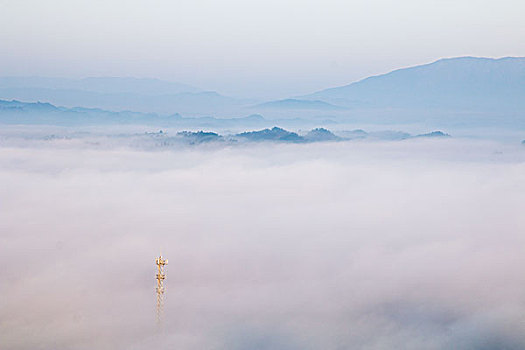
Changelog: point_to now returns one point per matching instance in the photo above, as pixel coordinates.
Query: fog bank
(414, 245)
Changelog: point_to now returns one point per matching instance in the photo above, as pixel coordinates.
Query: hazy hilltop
(464, 83)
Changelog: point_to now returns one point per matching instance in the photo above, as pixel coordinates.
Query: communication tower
(160, 277)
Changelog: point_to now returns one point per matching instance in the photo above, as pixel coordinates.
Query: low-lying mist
(416, 244)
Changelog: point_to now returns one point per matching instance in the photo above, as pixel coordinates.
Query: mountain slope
(464, 83)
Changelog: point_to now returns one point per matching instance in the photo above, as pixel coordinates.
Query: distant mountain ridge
(452, 92)
(43, 113)
(17, 112)
(121, 94)
(464, 83)
(292, 103)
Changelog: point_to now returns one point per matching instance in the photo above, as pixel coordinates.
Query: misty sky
(266, 48)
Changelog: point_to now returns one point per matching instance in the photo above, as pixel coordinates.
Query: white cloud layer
(353, 245)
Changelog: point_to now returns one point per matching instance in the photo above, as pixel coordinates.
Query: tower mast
(160, 277)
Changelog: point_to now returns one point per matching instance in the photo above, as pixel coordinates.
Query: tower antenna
(160, 277)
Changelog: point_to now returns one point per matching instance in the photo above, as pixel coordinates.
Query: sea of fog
(413, 244)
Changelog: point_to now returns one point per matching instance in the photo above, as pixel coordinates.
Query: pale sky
(267, 48)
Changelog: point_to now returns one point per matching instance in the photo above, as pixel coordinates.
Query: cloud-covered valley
(348, 245)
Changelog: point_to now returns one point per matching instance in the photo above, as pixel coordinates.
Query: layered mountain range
(465, 91)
